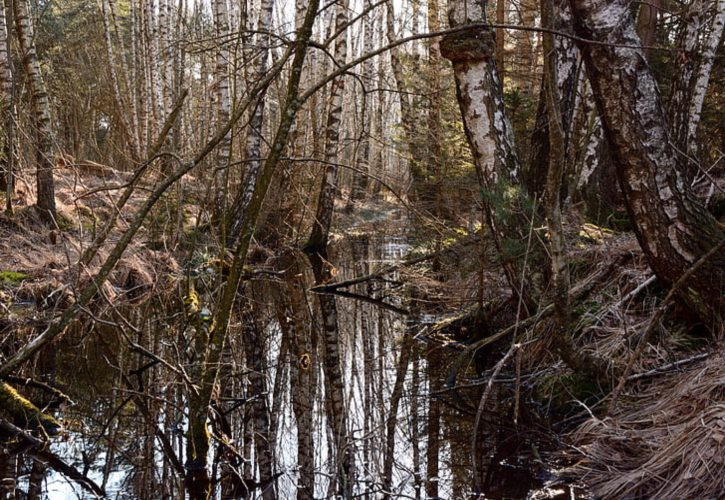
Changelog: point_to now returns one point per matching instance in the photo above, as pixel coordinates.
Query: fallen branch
(661, 370)
(331, 287)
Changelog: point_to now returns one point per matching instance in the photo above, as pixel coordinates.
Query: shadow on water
(125, 435)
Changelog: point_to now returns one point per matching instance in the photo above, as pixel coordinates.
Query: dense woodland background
(364, 248)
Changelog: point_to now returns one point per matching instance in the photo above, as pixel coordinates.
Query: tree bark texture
(253, 145)
(41, 110)
(700, 39)
(490, 136)
(7, 154)
(673, 229)
(296, 328)
(328, 189)
(566, 59)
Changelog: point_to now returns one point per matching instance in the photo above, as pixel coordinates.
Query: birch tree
(44, 159)
(253, 145)
(317, 252)
(701, 37)
(489, 134)
(7, 154)
(673, 229)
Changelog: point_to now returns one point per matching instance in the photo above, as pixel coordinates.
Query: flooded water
(410, 435)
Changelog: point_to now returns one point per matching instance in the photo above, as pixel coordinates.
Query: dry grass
(667, 442)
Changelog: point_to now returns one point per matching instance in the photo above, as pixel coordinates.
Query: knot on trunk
(471, 44)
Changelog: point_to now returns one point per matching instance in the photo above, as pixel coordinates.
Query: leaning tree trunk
(673, 229)
(490, 136)
(41, 110)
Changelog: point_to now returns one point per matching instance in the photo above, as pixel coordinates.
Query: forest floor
(663, 437)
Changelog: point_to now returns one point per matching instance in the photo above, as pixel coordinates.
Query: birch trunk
(41, 111)
(7, 153)
(224, 104)
(253, 146)
(360, 180)
(408, 118)
(702, 34)
(328, 189)
(490, 137)
(317, 251)
(673, 229)
(294, 322)
(120, 101)
(198, 442)
(392, 419)
(254, 347)
(566, 60)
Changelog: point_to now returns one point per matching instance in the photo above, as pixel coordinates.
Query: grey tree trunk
(392, 414)
(566, 59)
(329, 188)
(490, 136)
(295, 325)
(254, 347)
(672, 227)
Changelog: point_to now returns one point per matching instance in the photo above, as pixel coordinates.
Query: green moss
(24, 413)
(12, 277)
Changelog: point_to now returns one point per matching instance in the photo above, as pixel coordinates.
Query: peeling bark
(672, 227)
(490, 136)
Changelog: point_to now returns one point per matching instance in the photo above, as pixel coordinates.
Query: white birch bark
(701, 37)
(673, 229)
(41, 110)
